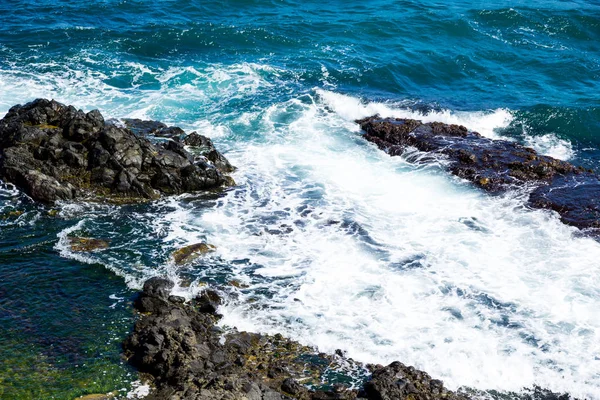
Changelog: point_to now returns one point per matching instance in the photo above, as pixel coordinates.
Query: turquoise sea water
(340, 245)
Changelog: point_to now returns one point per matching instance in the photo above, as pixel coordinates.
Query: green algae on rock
(86, 244)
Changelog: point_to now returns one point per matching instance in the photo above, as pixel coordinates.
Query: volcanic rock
(496, 166)
(188, 357)
(397, 381)
(85, 244)
(55, 152)
(201, 145)
(189, 253)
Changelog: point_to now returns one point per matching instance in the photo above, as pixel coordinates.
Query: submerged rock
(496, 165)
(98, 396)
(190, 253)
(55, 152)
(188, 357)
(85, 244)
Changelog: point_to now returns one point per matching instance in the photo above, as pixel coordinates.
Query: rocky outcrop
(188, 357)
(55, 152)
(496, 166)
(398, 381)
(200, 144)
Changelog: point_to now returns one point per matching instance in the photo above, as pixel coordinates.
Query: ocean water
(337, 245)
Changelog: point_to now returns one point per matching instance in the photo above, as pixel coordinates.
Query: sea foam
(342, 246)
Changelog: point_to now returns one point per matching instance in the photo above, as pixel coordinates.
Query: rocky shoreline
(187, 356)
(183, 354)
(496, 166)
(55, 152)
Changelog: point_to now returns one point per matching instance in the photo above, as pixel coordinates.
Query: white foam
(133, 280)
(352, 108)
(479, 264)
(139, 390)
(181, 88)
(551, 145)
(486, 123)
(345, 247)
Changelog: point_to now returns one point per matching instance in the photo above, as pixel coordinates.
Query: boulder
(85, 244)
(55, 152)
(205, 147)
(201, 145)
(398, 381)
(208, 301)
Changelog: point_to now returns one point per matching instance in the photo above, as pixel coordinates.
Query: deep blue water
(537, 57)
(263, 76)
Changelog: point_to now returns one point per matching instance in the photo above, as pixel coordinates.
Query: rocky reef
(55, 152)
(187, 356)
(496, 166)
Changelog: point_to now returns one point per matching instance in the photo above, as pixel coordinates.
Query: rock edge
(496, 166)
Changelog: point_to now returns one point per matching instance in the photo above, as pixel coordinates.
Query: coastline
(188, 357)
(161, 311)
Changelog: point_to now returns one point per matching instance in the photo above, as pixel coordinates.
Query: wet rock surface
(85, 244)
(190, 253)
(496, 166)
(188, 357)
(201, 145)
(55, 152)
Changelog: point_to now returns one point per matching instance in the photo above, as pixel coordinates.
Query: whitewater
(324, 238)
(340, 246)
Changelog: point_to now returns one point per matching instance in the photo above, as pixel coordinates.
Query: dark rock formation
(52, 152)
(188, 357)
(397, 381)
(496, 165)
(201, 144)
(85, 244)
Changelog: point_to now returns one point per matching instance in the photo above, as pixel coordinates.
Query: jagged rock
(398, 382)
(190, 358)
(496, 166)
(157, 287)
(205, 146)
(291, 386)
(202, 145)
(145, 127)
(55, 152)
(208, 301)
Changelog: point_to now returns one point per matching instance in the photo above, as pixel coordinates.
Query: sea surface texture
(335, 243)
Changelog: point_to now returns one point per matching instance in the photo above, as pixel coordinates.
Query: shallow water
(340, 245)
